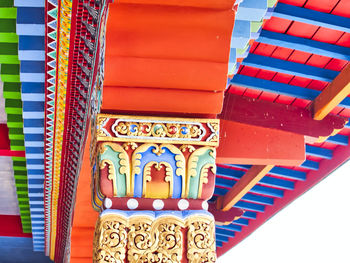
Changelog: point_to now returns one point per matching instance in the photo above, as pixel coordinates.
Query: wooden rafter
(250, 178)
(332, 95)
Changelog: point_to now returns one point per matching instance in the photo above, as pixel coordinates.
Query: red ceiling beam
(279, 116)
(248, 144)
(11, 226)
(5, 148)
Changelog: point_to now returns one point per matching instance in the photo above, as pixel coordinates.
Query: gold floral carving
(201, 240)
(158, 241)
(143, 239)
(110, 240)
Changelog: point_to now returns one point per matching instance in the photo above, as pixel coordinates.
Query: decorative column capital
(154, 158)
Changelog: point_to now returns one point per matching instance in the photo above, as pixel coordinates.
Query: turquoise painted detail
(198, 163)
(116, 159)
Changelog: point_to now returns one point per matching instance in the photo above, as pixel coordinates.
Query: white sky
(315, 228)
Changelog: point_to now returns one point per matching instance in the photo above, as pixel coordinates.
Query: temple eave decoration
(166, 131)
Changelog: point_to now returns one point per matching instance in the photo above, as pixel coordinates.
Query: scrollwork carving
(201, 240)
(110, 240)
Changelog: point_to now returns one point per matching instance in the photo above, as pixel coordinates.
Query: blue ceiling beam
(241, 222)
(224, 232)
(230, 227)
(249, 215)
(221, 238)
(258, 199)
(280, 88)
(309, 16)
(304, 44)
(250, 206)
(218, 243)
(312, 165)
(339, 139)
(257, 189)
(266, 180)
(318, 152)
(279, 171)
(288, 67)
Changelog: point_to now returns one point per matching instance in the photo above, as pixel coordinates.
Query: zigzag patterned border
(51, 52)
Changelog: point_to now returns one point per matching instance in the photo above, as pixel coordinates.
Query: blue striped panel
(31, 52)
(249, 215)
(318, 152)
(303, 44)
(251, 10)
(221, 238)
(218, 243)
(30, 3)
(257, 189)
(224, 232)
(312, 165)
(309, 16)
(19, 250)
(266, 180)
(241, 222)
(279, 171)
(339, 139)
(250, 206)
(230, 227)
(280, 88)
(258, 199)
(288, 67)
(30, 15)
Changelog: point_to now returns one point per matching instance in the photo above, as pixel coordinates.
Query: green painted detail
(255, 26)
(8, 12)
(53, 12)
(10, 78)
(241, 51)
(113, 156)
(16, 137)
(9, 49)
(13, 110)
(7, 25)
(19, 159)
(11, 59)
(271, 3)
(17, 148)
(52, 54)
(198, 163)
(19, 163)
(8, 37)
(22, 192)
(14, 124)
(20, 172)
(16, 131)
(6, 3)
(52, 72)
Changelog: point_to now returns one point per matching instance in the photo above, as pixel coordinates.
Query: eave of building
(283, 67)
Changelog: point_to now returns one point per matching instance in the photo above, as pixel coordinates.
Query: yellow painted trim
(63, 57)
